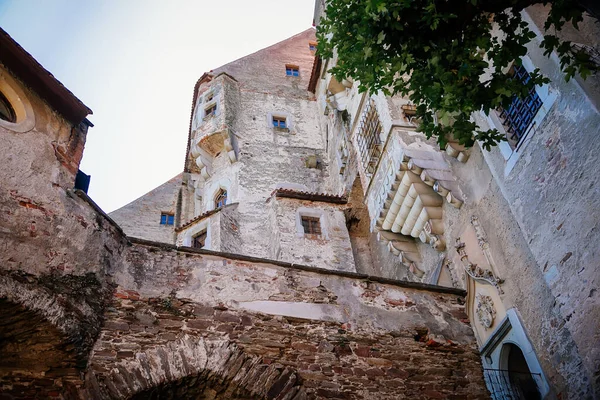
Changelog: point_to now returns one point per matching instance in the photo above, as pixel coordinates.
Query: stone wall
(331, 249)
(247, 328)
(141, 217)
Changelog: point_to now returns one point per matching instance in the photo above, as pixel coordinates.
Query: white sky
(135, 63)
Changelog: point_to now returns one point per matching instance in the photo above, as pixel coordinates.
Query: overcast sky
(135, 63)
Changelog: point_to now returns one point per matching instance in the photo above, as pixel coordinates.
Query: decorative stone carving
(480, 233)
(476, 272)
(485, 310)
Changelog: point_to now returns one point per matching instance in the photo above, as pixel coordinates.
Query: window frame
(12, 115)
(292, 70)
(221, 192)
(203, 233)
(210, 110)
(313, 225)
(368, 139)
(548, 96)
(314, 213)
(278, 121)
(167, 219)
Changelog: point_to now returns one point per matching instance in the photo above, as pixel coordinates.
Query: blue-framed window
(167, 219)
(221, 198)
(279, 122)
(292, 70)
(312, 46)
(518, 117)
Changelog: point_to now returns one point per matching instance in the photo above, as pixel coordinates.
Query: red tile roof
(42, 82)
(311, 196)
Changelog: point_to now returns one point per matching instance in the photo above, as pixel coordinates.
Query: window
(167, 219)
(279, 122)
(221, 198)
(369, 139)
(6, 111)
(312, 46)
(292, 70)
(199, 241)
(210, 110)
(517, 118)
(311, 225)
(208, 97)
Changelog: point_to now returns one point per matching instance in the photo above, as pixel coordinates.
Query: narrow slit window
(221, 198)
(311, 225)
(167, 219)
(208, 97)
(292, 70)
(199, 241)
(279, 122)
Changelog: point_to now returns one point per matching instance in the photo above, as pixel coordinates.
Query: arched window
(6, 111)
(221, 198)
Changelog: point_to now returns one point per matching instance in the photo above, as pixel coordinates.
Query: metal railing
(510, 385)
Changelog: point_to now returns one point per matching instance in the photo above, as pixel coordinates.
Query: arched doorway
(520, 377)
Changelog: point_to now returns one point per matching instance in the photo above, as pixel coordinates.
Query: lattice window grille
(369, 139)
(517, 118)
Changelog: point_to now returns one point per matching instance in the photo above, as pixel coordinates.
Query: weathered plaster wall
(552, 193)
(141, 217)
(56, 253)
(330, 250)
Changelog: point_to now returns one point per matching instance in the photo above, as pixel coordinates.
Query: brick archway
(45, 337)
(191, 367)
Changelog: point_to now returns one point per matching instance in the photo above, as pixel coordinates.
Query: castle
(314, 246)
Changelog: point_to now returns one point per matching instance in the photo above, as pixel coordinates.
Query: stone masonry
(90, 312)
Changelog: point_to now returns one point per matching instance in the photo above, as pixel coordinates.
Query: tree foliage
(450, 57)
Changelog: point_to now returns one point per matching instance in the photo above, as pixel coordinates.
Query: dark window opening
(517, 118)
(221, 198)
(311, 225)
(7, 113)
(279, 122)
(208, 97)
(292, 70)
(209, 111)
(199, 241)
(167, 219)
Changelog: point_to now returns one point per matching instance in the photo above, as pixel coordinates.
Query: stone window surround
(511, 330)
(222, 184)
(289, 122)
(25, 120)
(196, 230)
(311, 212)
(548, 97)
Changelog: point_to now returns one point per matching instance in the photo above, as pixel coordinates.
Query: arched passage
(191, 368)
(519, 374)
(47, 326)
(34, 353)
